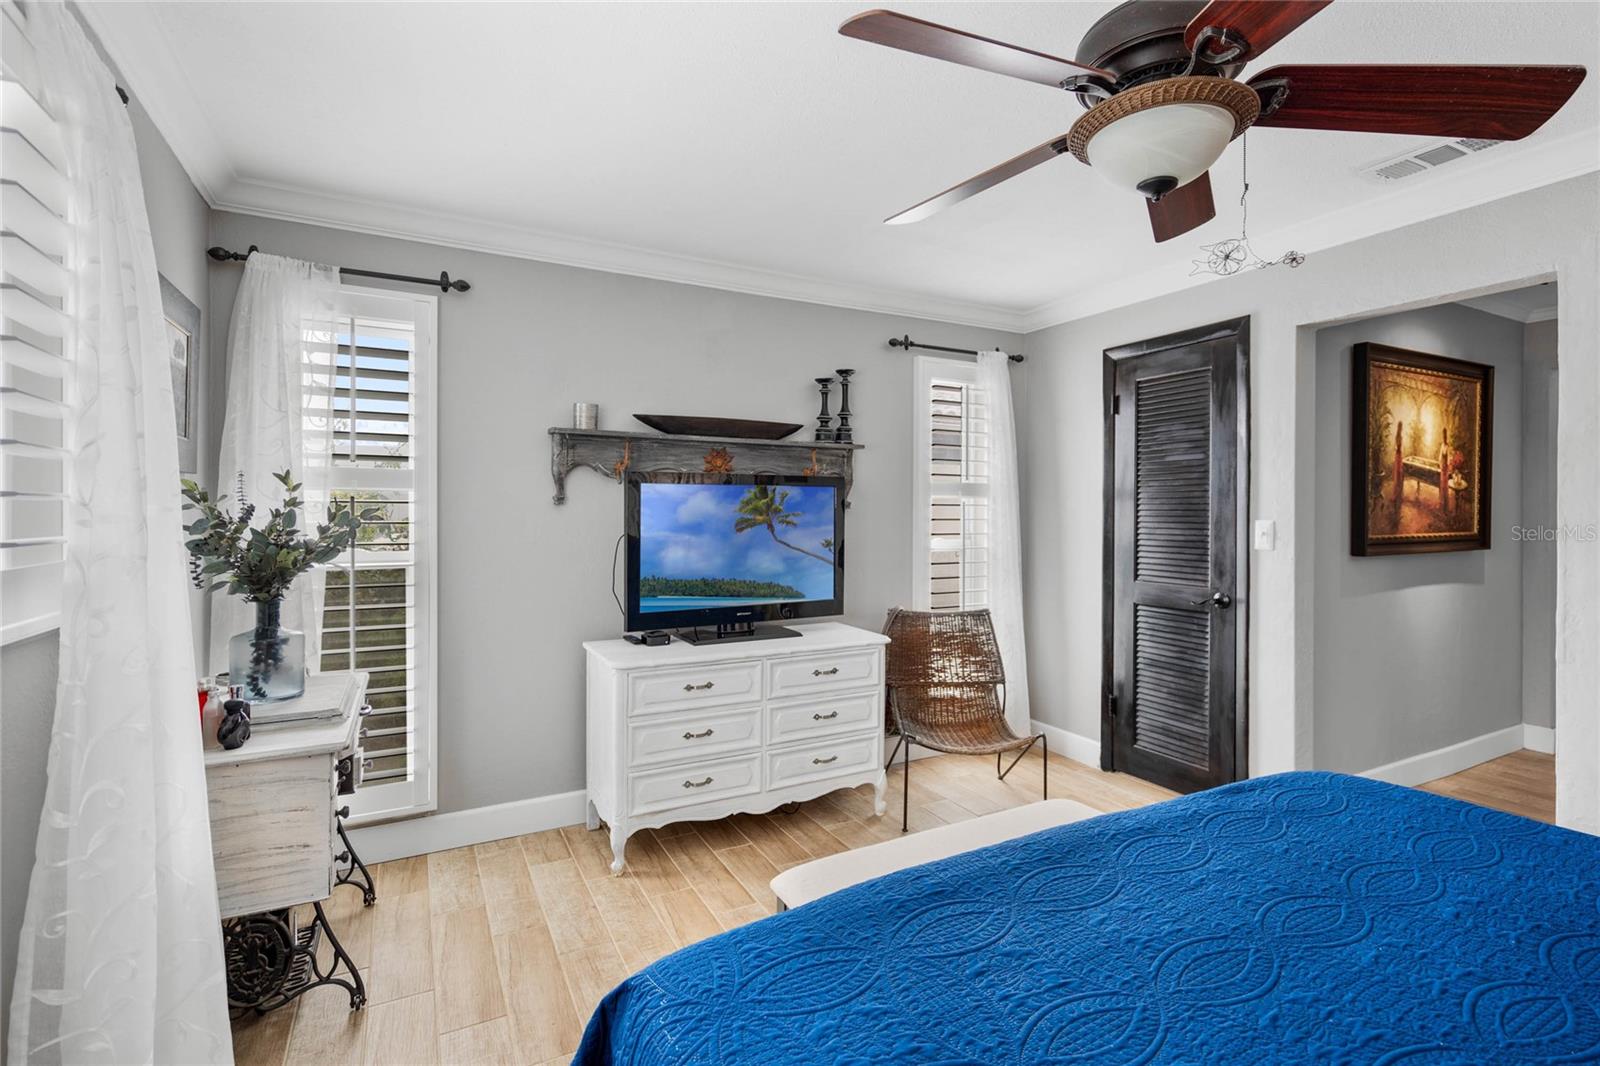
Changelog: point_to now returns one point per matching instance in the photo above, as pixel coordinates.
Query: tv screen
(754, 549)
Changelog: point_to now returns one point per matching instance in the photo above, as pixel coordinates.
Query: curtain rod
(907, 343)
(222, 255)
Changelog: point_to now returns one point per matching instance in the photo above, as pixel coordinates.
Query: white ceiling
(1536, 303)
(749, 146)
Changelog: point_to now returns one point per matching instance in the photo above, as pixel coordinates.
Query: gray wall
(523, 582)
(1416, 652)
(1523, 238)
(1539, 380)
(179, 220)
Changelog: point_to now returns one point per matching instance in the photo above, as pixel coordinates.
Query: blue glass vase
(268, 662)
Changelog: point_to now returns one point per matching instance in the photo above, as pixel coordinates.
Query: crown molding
(1445, 191)
(292, 204)
(137, 44)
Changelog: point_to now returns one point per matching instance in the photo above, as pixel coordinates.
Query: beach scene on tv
(703, 546)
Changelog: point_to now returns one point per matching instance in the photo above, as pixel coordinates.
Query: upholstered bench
(815, 879)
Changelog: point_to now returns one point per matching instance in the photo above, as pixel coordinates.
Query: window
(951, 426)
(371, 444)
(35, 431)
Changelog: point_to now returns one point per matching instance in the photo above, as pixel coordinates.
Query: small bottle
(210, 720)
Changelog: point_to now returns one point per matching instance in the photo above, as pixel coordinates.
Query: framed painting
(184, 347)
(1421, 438)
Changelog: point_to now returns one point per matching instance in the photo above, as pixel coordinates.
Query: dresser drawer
(690, 687)
(823, 758)
(823, 716)
(699, 736)
(696, 782)
(807, 674)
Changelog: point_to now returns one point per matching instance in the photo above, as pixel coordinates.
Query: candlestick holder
(843, 434)
(824, 419)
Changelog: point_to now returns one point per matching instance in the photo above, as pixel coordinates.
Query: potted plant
(260, 564)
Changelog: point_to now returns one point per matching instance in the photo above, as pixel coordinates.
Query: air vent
(1442, 154)
(1423, 158)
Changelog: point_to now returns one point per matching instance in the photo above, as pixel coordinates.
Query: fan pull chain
(1244, 191)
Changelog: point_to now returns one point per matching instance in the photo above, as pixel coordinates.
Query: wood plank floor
(498, 953)
(1523, 782)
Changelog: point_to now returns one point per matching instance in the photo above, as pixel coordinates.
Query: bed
(1299, 918)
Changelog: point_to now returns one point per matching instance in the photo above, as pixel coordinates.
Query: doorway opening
(1434, 656)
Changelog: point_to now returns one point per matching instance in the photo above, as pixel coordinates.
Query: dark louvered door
(1176, 589)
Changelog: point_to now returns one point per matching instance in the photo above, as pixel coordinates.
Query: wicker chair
(947, 691)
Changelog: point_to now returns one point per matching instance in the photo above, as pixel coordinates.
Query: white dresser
(688, 732)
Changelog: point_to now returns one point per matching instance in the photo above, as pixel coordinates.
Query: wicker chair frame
(947, 685)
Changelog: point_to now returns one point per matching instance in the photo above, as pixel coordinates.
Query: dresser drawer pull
(343, 812)
(366, 709)
(362, 733)
(829, 672)
(824, 717)
(698, 736)
(825, 762)
(366, 764)
(699, 688)
(697, 784)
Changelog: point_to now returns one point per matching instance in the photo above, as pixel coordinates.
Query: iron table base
(356, 873)
(270, 963)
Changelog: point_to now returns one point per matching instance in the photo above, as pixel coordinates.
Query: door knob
(1220, 600)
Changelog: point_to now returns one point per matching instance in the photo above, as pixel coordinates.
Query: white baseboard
(1074, 746)
(1452, 760)
(1540, 738)
(457, 829)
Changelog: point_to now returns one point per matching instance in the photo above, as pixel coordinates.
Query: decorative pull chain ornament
(1226, 258)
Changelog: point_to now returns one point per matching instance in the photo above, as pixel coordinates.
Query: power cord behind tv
(614, 550)
(650, 638)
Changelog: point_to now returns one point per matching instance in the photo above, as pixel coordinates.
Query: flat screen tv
(733, 551)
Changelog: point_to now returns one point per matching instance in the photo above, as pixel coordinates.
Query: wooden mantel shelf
(615, 452)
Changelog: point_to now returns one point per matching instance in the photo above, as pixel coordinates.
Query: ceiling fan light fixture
(1157, 137)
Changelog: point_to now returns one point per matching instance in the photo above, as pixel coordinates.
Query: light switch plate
(1266, 534)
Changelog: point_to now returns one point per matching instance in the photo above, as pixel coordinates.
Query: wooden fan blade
(1494, 103)
(1261, 23)
(1182, 209)
(988, 179)
(957, 46)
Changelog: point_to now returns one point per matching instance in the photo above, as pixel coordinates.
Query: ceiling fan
(1158, 80)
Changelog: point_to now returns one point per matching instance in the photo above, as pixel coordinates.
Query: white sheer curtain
(280, 366)
(120, 957)
(1005, 536)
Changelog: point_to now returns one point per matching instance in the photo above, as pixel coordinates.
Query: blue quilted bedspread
(1302, 918)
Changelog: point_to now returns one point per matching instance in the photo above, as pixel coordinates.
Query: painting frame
(184, 336)
(1370, 363)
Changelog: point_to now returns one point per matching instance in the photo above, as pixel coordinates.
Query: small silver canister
(585, 416)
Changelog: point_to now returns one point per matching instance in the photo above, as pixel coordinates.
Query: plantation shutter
(953, 506)
(35, 321)
(369, 421)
